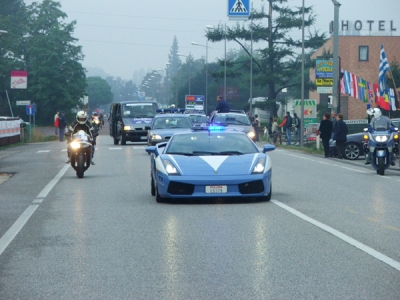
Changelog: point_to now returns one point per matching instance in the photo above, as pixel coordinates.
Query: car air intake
(251, 187)
(179, 188)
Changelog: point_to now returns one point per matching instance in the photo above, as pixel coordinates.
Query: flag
(362, 93)
(370, 92)
(392, 98)
(354, 86)
(383, 68)
(379, 100)
(342, 87)
(347, 82)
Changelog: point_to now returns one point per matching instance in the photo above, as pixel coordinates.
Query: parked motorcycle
(383, 147)
(80, 152)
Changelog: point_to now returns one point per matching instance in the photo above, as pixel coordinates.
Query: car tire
(352, 151)
(153, 189)
(268, 197)
(159, 199)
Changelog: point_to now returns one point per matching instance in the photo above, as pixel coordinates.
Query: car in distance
(235, 120)
(212, 163)
(130, 120)
(164, 125)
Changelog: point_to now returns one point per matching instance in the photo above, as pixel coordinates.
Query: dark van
(130, 120)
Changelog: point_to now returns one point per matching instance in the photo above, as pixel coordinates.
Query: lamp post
(335, 94)
(187, 59)
(302, 80)
(206, 46)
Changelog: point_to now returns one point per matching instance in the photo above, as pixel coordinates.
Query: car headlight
(170, 168)
(75, 145)
(381, 138)
(156, 137)
(259, 166)
(127, 127)
(251, 134)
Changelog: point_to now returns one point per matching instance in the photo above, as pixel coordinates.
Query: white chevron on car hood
(214, 161)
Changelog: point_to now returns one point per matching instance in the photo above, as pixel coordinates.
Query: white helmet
(376, 112)
(81, 117)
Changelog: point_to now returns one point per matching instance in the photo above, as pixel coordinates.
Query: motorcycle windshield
(81, 135)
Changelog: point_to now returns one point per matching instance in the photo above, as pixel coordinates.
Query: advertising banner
(19, 79)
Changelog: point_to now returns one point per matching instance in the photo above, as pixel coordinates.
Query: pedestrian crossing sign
(239, 9)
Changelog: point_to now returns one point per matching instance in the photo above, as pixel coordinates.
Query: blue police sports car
(210, 163)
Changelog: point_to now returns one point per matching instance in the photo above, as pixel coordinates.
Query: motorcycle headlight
(381, 138)
(75, 145)
(251, 134)
(259, 167)
(156, 137)
(170, 168)
(97, 121)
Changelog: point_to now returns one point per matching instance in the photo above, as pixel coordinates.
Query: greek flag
(383, 68)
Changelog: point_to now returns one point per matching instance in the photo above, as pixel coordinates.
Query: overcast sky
(122, 36)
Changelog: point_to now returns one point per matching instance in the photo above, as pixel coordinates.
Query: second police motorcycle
(381, 142)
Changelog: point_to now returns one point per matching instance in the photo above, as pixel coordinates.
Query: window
(363, 52)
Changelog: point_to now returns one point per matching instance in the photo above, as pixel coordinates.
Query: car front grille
(251, 187)
(179, 188)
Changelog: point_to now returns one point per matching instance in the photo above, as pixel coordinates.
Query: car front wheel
(352, 151)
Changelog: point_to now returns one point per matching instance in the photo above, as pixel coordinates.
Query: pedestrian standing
(56, 123)
(297, 124)
(61, 126)
(256, 126)
(340, 135)
(325, 131)
(288, 128)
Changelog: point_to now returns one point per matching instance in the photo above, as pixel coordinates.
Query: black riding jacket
(87, 127)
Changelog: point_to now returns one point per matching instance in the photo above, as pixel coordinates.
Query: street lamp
(187, 59)
(335, 94)
(206, 46)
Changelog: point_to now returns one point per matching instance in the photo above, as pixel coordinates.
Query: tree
(274, 69)
(99, 92)
(12, 20)
(173, 66)
(57, 80)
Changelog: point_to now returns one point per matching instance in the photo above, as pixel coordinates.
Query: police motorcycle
(96, 123)
(381, 144)
(80, 152)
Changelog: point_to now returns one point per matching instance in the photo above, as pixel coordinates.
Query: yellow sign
(324, 81)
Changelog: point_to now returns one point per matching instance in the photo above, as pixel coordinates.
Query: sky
(122, 36)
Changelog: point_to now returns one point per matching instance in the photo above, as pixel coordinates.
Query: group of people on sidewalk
(335, 130)
(60, 124)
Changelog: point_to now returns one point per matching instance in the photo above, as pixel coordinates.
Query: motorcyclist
(82, 123)
(95, 117)
(378, 121)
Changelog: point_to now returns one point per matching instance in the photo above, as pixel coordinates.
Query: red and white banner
(19, 79)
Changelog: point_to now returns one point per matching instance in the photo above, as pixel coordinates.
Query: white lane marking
(350, 169)
(37, 201)
(137, 147)
(64, 150)
(118, 148)
(52, 183)
(42, 151)
(11, 233)
(380, 256)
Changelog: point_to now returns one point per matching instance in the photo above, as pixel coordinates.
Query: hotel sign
(369, 25)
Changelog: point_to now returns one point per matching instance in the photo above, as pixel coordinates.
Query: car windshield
(171, 122)
(235, 119)
(139, 110)
(198, 119)
(211, 144)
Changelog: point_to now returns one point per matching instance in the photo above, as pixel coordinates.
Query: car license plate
(143, 137)
(216, 189)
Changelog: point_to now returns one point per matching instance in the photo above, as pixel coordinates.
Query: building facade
(359, 55)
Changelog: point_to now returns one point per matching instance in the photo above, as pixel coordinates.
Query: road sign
(30, 110)
(23, 102)
(239, 9)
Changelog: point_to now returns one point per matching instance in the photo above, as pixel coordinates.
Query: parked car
(209, 163)
(235, 120)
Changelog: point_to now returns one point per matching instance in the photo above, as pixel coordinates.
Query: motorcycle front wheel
(80, 168)
(381, 165)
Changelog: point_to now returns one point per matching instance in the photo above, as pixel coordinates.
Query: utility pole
(335, 90)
